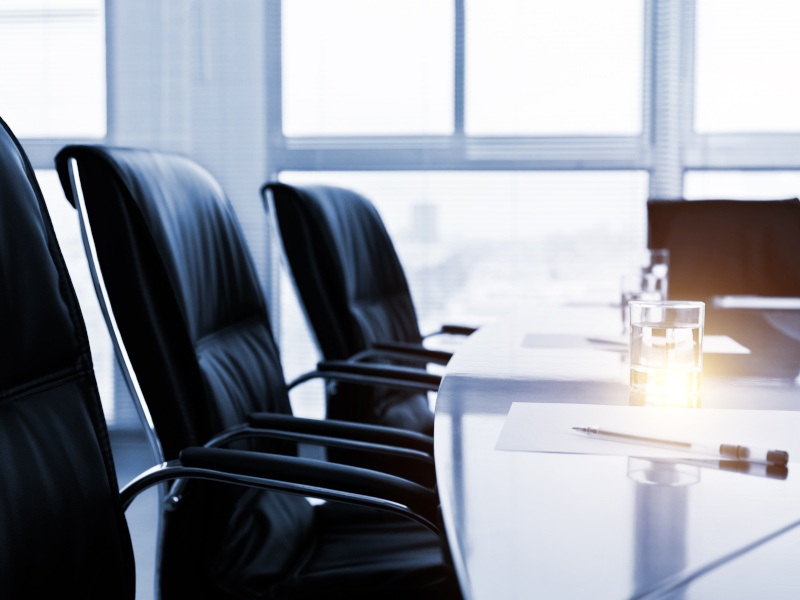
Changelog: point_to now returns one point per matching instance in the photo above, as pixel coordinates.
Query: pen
(732, 451)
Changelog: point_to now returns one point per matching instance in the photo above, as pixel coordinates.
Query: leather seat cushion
(380, 406)
(386, 557)
(406, 411)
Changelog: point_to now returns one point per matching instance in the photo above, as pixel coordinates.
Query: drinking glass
(657, 271)
(666, 351)
(634, 286)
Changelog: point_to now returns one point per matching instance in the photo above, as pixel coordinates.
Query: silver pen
(730, 451)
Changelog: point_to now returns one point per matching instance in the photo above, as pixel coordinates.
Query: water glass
(656, 271)
(634, 286)
(666, 351)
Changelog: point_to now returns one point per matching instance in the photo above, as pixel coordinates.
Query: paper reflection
(661, 507)
(670, 401)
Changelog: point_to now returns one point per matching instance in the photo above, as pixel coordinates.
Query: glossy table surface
(544, 525)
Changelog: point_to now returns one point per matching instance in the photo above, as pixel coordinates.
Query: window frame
(42, 150)
(456, 151)
(667, 146)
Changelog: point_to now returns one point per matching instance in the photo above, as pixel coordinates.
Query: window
(53, 68)
(475, 243)
(52, 64)
(387, 72)
(572, 67)
(566, 116)
(742, 185)
(747, 54)
(478, 244)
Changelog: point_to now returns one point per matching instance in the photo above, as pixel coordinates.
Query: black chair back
(353, 289)
(194, 322)
(342, 257)
(191, 295)
(728, 247)
(62, 528)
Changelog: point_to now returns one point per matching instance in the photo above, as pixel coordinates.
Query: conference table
(526, 522)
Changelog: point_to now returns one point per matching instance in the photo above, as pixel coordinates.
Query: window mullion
(460, 69)
(672, 60)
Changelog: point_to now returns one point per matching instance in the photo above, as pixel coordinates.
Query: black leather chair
(355, 295)
(735, 248)
(62, 528)
(728, 247)
(194, 323)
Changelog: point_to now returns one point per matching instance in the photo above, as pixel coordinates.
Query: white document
(712, 344)
(722, 344)
(547, 427)
(757, 302)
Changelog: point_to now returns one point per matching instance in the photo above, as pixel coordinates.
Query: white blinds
(52, 65)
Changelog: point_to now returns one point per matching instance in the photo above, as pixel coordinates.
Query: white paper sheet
(757, 302)
(712, 344)
(547, 427)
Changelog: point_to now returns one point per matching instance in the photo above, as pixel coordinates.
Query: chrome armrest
(405, 351)
(397, 377)
(293, 475)
(451, 329)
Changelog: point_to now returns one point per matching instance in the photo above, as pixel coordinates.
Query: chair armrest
(451, 329)
(410, 351)
(397, 377)
(345, 430)
(329, 481)
(338, 369)
(293, 475)
(386, 449)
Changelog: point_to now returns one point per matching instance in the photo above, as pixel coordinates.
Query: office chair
(728, 247)
(180, 285)
(355, 296)
(722, 248)
(62, 525)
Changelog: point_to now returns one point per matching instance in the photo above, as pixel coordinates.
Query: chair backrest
(353, 290)
(62, 528)
(183, 290)
(193, 319)
(345, 268)
(728, 247)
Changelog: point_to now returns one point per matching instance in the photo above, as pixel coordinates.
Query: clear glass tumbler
(666, 351)
(656, 272)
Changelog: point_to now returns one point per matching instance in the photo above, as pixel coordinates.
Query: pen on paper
(731, 451)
